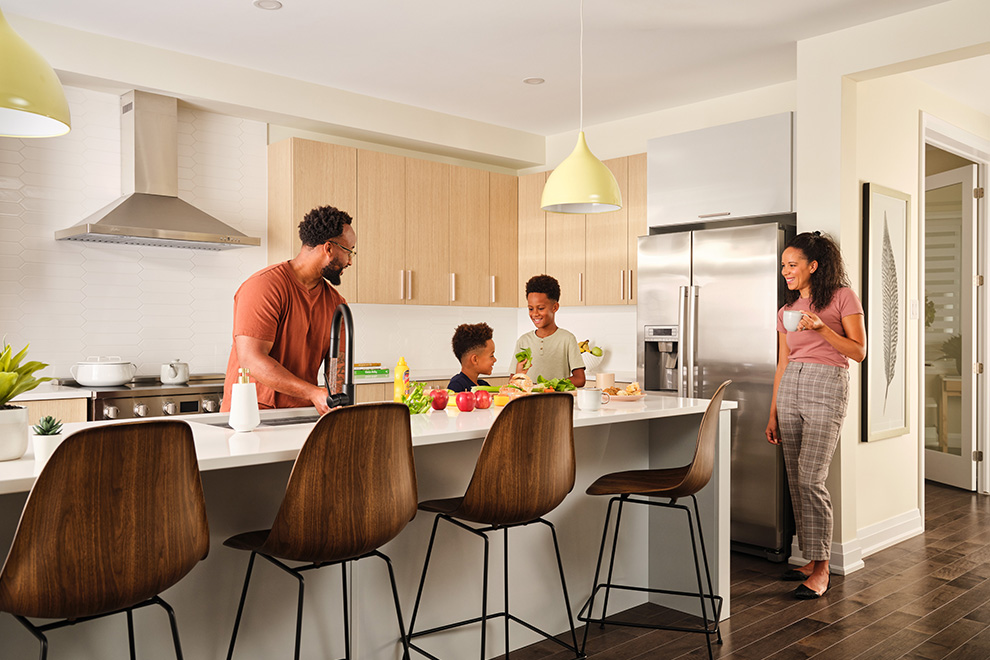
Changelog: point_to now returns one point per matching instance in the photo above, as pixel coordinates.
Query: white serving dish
(103, 371)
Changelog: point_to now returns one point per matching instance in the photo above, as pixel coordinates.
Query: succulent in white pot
(47, 436)
(15, 379)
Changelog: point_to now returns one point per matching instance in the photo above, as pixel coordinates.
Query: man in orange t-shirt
(282, 316)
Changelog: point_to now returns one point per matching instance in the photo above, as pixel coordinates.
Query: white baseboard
(848, 557)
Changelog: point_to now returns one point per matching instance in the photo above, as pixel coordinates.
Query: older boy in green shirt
(554, 350)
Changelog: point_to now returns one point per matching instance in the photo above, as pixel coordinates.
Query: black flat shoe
(804, 593)
(794, 575)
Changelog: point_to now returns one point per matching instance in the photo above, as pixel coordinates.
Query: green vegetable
(416, 398)
(526, 357)
(487, 388)
(556, 384)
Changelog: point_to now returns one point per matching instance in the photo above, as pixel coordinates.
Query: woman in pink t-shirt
(811, 390)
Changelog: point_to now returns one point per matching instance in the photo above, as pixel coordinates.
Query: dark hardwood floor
(925, 598)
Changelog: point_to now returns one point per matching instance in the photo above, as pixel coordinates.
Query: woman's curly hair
(544, 284)
(469, 337)
(322, 224)
(829, 277)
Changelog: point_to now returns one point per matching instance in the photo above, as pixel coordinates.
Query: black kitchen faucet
(346, 397)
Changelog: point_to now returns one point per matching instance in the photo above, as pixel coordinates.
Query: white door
(950, 327)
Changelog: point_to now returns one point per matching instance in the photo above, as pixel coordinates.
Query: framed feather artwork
(886, 214)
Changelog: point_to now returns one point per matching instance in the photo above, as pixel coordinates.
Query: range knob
(140, 410)
(110, 412)
(169, 408)
(210, 405)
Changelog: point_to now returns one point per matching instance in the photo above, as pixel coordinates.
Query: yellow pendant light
(582, 183)
(32, 103)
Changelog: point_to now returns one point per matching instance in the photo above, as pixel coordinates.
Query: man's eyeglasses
(349, 251)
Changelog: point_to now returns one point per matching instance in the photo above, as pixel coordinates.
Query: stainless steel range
(146, 396)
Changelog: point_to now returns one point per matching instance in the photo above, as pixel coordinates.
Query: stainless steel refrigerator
(708, 299)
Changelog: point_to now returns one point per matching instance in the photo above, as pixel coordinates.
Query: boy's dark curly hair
(469, 337)
(829, 277)
(322, 224)
(544, 284)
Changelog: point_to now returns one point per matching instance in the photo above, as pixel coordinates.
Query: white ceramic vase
(44, 446)
(13, 433)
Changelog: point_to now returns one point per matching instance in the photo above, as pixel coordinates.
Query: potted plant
(47, 436)
(952, 350)
(15, 379)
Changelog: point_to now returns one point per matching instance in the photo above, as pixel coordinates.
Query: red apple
(439, 399)
(465, 401)
(482, 399)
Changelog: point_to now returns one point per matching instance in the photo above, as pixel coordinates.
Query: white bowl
(591, 362)
(103, 372)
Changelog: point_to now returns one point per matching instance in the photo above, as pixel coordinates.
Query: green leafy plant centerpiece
(17, 378)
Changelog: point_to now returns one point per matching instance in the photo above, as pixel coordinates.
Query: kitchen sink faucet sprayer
(346, 397)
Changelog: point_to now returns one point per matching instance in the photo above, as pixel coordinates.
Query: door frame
(945, 136)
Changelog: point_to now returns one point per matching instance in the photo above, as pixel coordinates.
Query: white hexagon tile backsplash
(149, 305)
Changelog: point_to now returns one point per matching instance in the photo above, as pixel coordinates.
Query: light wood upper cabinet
(427, 249)
(532, 231)
(607, 246)
(566, 247)
(503, 243)
(302, 175)
(381, 235)
(469, 237)
(636, 206)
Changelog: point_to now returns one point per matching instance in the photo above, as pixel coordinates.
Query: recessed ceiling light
(534, 81)
(268, 4)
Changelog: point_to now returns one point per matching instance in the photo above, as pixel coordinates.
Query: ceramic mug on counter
(591, 398)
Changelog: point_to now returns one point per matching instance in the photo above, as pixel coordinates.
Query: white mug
(604, 380)
(591, 398)
(791, 319)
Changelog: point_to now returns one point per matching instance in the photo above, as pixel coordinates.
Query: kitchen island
(244, 475)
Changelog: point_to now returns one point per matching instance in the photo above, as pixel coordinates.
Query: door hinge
(977, 367)
(978, 193)
(977, 456)
(977, 280)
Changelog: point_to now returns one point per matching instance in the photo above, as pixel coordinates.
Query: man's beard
(331, 273)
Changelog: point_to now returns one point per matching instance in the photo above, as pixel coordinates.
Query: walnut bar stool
(525, 469)
(638, 487)
(116, 517)
(352, 490)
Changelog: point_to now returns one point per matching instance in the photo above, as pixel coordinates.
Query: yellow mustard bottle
(401, 380)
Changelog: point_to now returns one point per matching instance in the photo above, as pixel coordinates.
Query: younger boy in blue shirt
(474, 348)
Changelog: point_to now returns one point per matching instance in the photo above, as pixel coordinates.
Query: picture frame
(886, 218)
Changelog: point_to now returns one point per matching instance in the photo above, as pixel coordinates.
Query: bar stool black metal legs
(485, 615)
(710, 604)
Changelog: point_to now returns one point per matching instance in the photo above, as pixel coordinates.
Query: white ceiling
(468, 58)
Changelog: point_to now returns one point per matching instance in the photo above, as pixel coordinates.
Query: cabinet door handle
(622, 284)
(402, 285)
(630, 285)
(408, 285)
(581, 287)
(715, 215)
(493, 289)
(453, 287)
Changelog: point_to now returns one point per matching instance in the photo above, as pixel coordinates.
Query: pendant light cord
(581, 71)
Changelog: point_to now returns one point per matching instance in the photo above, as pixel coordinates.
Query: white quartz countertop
(49, 391)
(219, 447)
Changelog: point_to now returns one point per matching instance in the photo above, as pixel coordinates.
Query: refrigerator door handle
(691, 337)
(682, 348)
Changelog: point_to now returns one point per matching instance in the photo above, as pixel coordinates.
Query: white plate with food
(626, 397)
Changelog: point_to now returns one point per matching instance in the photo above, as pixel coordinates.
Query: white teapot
(175, 372)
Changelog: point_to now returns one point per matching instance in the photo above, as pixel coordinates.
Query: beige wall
(843, 140)
(888, 148)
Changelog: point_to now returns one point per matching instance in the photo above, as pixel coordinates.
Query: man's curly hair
(469, 337)
(544, 284)
(322, 224)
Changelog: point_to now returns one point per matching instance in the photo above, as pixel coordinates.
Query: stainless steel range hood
(150, 211)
